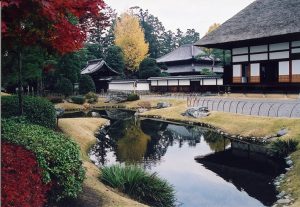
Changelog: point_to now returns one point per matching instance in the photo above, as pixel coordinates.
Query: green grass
(140, 185)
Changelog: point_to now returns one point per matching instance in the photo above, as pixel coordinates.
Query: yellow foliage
(212, 28)
(130, 37)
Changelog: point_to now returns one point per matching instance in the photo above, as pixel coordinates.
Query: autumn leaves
(129, 36)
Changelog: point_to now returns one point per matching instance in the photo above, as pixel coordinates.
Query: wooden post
(20, 83)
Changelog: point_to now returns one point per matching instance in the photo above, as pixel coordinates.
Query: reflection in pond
(219, 178)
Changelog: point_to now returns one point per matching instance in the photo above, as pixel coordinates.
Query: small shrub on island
(55, 99)
(140, 185)
(78, 99)
(91, 97)
(57, 156)
(37, 110)
(133, 97)
(145, 104)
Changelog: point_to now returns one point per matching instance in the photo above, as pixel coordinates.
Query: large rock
(282, 132)
(161, 105)
(196, 112)
(59, 112)
(117, 98)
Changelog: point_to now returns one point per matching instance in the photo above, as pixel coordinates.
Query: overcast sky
(185, 14)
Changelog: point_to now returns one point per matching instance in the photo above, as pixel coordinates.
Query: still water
(219, 179)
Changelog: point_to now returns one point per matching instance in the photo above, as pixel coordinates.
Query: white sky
(185, 14)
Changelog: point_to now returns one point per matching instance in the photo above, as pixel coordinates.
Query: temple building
(187, 60)
(264, 40)
(101, 73)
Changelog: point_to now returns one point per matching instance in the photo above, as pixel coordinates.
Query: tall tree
(130, 37)
(153, 30)
(115, 59)
(149, 68)
(190, 37)
(59, 26)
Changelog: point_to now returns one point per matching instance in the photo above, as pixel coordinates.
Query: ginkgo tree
(130, 37)
(57, 25)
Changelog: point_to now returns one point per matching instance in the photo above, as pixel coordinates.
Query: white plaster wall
(296, 50)
(142, 87)
(255, 69)
(263, 56)
(296, 44)
(279, 46)
(237, 71)
(220, 81)
(209, 82)
(184, 82)
(162, 82)
(173, 82)
(241, 50)
(240, 58)
(120, 86)
(260, 48)
(284, 68)
(296, 67)
(153, 83)
(279, 55)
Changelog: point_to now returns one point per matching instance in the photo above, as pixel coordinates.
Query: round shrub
(140, 185)
(91, 97)
(133, 97)
(21, 178)
(78, 99)
(55, 99)
(86, 84)
(57, 156)
(64, 87)
(37, 110)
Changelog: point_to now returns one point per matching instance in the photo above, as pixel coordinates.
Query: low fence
(270, 108)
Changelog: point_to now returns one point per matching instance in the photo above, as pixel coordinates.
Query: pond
(218, 178)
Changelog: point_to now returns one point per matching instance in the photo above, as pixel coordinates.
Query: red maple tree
(57, 25)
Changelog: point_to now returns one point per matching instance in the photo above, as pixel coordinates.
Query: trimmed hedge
(22, 183)
(37, 110)
(78, 99)
(91, 97)
(57, 155)
(133, 97)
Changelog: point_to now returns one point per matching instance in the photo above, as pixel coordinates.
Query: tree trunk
(20, 91)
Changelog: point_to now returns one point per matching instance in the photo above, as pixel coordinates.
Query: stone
(95, 114)
(282, 132)
(162, 105)
(284, 201)
(196, 112)
(141, 110)
(59, 112)
(289, 162)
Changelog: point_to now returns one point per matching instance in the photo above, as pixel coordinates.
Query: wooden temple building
(264, 40)
(101, 73)
(187, 60)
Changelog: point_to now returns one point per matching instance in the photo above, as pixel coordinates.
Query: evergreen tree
(149, 68)
(115, 59)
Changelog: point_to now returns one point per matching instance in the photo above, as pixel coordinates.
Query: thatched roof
(184, 52)
(260, 20)
(96, 65)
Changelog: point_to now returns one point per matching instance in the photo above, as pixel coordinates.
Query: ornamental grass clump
(140, 185)
(282, 148)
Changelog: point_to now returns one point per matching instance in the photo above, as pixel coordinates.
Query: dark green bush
(36, 109)
(64, 86)
(86, 84)
(57, 155)
(140, 185)
(282, 148)
(55, 99)
(91, 97)
(133, 97)
(78, 99)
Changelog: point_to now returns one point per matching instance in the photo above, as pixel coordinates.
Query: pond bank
(95, 193)
(234, 125)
